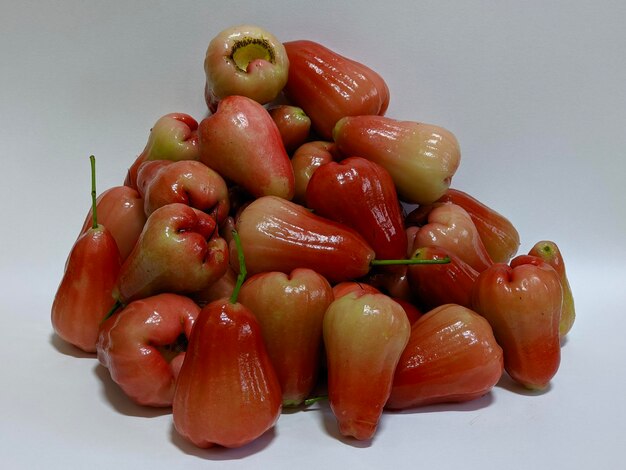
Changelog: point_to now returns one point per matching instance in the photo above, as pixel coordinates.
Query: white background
(534, 92)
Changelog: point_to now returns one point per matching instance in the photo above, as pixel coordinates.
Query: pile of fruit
(298, 245)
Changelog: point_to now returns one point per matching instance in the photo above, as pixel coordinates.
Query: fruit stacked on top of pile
(297, 236)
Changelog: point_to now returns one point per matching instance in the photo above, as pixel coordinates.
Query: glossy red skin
(178, 251)
(421, 158)
(84, 295)
(329, 86)
(549, 252)
(451, 227)
(279, 235)
(221, 288)
(120, 210)
(130, 345)
(451, 356)
(293, 124)
(364, 335)
(439, 284)
(500, 237)
(290, 309)
(522, 302)
(227, 392)
(360, 194)
(242, 143)
(173, 137)
(187, 182)
(305, 160)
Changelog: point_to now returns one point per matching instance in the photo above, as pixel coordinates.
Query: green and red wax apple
(244, 60)
(290, 309)
(173, 137)
(242, 143)
(421, 158)
(364, 334)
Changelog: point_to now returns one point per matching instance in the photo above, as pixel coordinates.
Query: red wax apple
(290, 309)
(364, 335)
(279, 235)
(451, 227)
(421, 158)
(143, 346)
(451, 356)
(242, 143)
(245, 60)
(120, 210)
(329, 86)
(186, 182)
(305, 160)
(178, 251)
(522, 302)
(549, 252)
(84, 295)
(497, 233)
(227, 392)
(450, 283)
(173, 137)
(293, 124)
(369, 203)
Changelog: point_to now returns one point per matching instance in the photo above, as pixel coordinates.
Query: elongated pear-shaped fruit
(364, 335)
(227, 392)
(178, 251)
(290, 309)
(279, 235)
(421, 158)
(242, 143)
(549, 252)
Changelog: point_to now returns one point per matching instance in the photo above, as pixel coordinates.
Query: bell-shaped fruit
(451, 227)
(120, 210)
(371, 203)
(143, 346)
(186, 182)
(290, 309)
(305, 160)
(522, 302)
(549, 252)
(84, 296)
(293, 124)
(178, 251)
(451, 356)
(500, 237)
(245, 60)
(242, 143)
(173, 137)
(329, 86)
(227, 392)
(279, 235)
(364, 335)
(421, 158)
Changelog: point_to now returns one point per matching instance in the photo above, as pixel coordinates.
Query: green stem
(94, 214)
(242, 268)
(118, 304)
(393, 262)
(312, 400)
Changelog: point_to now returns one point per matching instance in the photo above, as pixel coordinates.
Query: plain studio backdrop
(534, 92)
